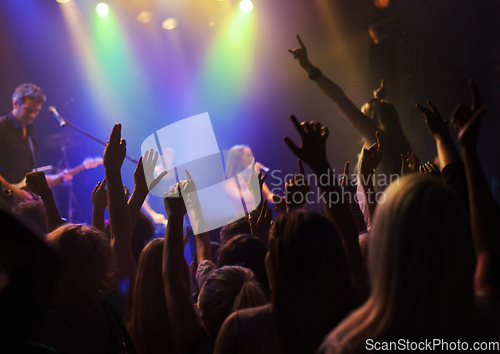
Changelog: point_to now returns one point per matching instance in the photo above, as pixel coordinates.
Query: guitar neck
(76, 170)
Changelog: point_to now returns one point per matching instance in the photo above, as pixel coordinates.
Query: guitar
(57, 179)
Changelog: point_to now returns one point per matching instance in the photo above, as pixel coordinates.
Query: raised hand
(313, 143)
(465, 120)
(100, 195)
(255, 188)
(280, 204)
(37, 183)
(174, 203)
(148, 168)
(300, 53)
(430, 169)
(116, 149)
(296, 189)
(372, 156)
(438, 128)
(409, 163)
(260, 227)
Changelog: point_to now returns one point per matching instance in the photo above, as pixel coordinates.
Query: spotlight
(62, 1)
(381, 4)
(246, 5)
(169, 23)
(102, 9)
(144, 16)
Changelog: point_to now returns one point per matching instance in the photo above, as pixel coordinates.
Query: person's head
(32, 213)
(420, 266)
(87, 264)
(384, 114)
(308, 274)
(235, 228)
(147, 320)
(27, 101)
(239, 158)
(226, 290)
(247, 251)
(420, 251)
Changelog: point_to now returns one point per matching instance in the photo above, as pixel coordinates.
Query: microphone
(54, 113)
(262, 167)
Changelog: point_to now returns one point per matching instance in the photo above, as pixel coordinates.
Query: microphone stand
(92, 137)
(69, 183)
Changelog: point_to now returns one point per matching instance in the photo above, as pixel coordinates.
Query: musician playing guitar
(17, 143)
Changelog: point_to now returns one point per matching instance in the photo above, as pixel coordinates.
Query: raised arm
(36, 183)
(119, 217)
(446, 150)
(483, 209)
(370, 159)
(18, 195)
(145, 166)
(183, 317)
(363, 124)
(350, 189)
(99, 204)
(313, 152)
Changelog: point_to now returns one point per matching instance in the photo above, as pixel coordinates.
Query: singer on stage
(17, 143)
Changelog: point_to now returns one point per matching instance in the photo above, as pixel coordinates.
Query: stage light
(246, 5)
(383, 30)
(211, 23)
(381, 4)
(63, 1)
(102, 9)
(169, 24)
(144, 16)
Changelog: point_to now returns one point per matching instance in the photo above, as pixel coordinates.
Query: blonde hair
(234, 163)
(420, 259)
(386, 118)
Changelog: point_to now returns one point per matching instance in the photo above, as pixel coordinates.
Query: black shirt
(16, 157)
